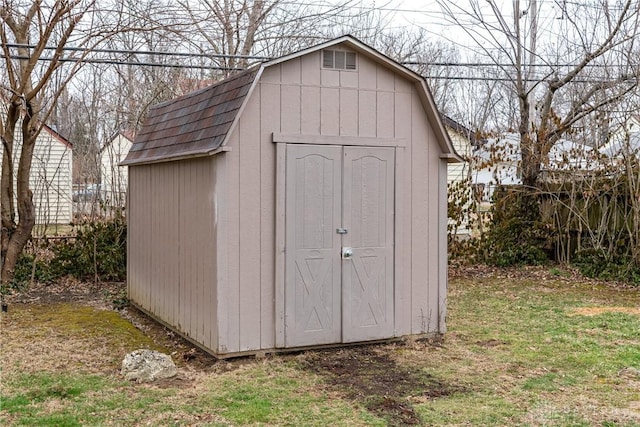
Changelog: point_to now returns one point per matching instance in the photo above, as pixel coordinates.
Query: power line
(254, 57)
(217, 68)
(144, 52)
(145, 64)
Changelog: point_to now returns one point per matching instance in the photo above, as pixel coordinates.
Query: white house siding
(457, 172)
(114, 178)
(460, 174)
(51, 177)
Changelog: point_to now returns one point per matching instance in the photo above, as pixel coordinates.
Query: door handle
(347, 253)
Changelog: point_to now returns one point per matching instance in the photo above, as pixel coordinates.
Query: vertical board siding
(232, 225)
(367, 126)
(330, 111)
(310, 69)
(249, 202)
(367, 72)
(420, 200)
(443, 270)
(172, 261)
(385, 79)
(269, 114)
(384, 115)
(433, 226)
(310, 114)
(290, 105)
(348, 112)
(403, 125)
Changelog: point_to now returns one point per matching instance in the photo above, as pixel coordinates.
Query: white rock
(147, 365)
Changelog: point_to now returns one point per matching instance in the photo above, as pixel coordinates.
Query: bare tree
(562, 70)
(33, 35)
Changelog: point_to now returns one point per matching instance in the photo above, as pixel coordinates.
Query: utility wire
(263, 58)
(145, 64)
(142, 52)
(221, 68)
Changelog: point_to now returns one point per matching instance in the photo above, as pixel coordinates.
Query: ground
(538, 346)
(365, 372)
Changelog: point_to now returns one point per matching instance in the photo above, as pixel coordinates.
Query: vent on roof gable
(338, 60)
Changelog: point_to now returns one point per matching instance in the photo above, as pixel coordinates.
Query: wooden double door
(339, 243)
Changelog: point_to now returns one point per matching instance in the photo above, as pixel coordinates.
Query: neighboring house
(463, 140)
(51, 174)
(459, 174)
(497, 162)
(624, 141)
(113, 177)
(302, 202)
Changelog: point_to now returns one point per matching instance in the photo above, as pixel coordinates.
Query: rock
(147, 365)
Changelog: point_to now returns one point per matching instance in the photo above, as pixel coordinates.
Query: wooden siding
(172, 264)
(50, 178)
(226, 213)
(299, 98)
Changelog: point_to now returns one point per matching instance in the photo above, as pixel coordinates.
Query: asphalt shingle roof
(193, 124)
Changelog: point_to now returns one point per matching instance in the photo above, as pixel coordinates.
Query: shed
(51, 175)
(300, 203)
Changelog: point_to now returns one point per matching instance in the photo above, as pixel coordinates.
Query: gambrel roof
(199, 123)
(192, 125)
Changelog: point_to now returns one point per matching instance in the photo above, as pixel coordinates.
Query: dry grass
(524, 347)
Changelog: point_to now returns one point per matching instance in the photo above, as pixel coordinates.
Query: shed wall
(298, 97)
(172, 233)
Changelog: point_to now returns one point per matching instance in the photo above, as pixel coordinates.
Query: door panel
(312, 261)
(367, 276)
(329, 299)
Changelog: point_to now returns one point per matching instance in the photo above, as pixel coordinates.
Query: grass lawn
(530, 347)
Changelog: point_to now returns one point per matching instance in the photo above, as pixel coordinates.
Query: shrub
(516, 235)
(98, 252)
(594, 263)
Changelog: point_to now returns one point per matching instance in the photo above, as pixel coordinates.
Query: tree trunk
(15, 236)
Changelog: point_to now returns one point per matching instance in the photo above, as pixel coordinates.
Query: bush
(516, 235)
(593, 263)
(98, 252)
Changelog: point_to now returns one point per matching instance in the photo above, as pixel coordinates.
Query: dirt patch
(70, 290)
(595, 311)
(368, 374)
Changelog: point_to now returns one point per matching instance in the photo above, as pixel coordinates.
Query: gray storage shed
(302, 202)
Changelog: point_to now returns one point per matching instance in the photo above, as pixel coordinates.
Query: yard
(535, 346)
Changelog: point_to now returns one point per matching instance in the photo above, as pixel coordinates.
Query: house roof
(61, 139)
(128, 134)
(199, 123)
(460, 128)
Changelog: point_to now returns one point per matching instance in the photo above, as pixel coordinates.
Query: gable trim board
(214, 238)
